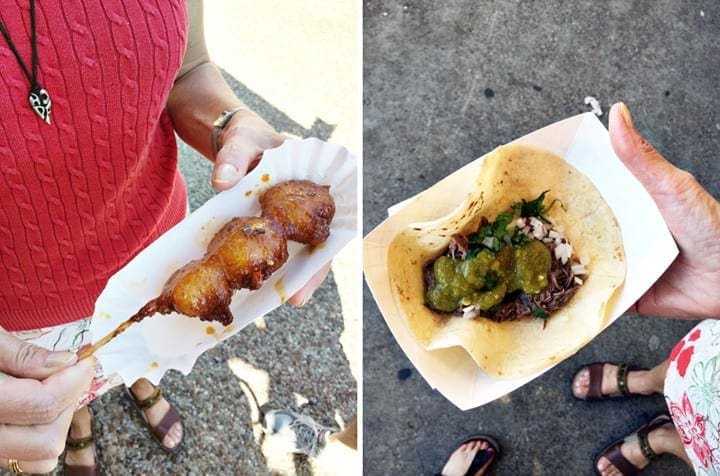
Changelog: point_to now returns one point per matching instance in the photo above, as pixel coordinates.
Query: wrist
(219, 126)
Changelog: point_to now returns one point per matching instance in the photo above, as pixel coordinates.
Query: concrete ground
(298, 65)
(446, 82)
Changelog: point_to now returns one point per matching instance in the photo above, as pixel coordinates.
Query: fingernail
(626, 116)
(225, 173)
(60, 359)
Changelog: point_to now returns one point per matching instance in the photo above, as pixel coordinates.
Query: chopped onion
(578, 281)
(578, 269)
(470, 312)
(563, 252)
(489, 241)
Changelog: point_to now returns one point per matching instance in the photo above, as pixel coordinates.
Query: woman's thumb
(638, 155)
(24, 360)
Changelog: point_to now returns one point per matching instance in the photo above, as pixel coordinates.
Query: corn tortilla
(520, 348)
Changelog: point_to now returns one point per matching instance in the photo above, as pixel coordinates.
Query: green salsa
(484, 279)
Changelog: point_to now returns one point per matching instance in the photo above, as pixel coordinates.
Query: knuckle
(645, 146)
(684, 182)
(24, 357)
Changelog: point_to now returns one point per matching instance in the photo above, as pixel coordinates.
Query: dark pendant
(41, 103)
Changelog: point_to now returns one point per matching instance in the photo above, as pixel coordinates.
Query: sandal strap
(161, 429)
(75, 444)
(645, 447)
(642, 435)
(149, 401)
(617, 459)
(595, 372)
(622, 378)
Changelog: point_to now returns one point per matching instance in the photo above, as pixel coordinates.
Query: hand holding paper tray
(584, 143)
(151, 347)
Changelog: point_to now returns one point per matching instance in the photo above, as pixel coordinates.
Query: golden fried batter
(246, 251)
(305, 210)
(250, 250)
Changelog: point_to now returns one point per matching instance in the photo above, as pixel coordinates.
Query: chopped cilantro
(532, 208)
(519, 238)
(537, 312)
(492, 235)
(491, 280)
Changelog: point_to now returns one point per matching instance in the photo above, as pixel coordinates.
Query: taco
(516, 347)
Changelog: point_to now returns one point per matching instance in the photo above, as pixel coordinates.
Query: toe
(605, 467)
(174, 436)
(581, 383)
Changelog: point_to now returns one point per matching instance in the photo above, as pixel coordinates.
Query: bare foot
(637, 382)
(143, 389)
(81, 427)
(461, 459)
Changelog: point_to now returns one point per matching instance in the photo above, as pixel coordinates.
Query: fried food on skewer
(242, 255)
(305, 210)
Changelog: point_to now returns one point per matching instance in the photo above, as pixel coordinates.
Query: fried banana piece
(243, 254)
(303, 208)
(249, 249)
(198, 289)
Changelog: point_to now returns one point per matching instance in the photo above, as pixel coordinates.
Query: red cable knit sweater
(80, 197)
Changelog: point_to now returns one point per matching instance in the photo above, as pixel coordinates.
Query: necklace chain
(39, 97)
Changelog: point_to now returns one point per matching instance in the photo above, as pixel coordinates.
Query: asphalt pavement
(446, 82)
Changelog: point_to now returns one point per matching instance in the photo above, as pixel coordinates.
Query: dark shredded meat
(561, 289)
(458, 248)
(429, 275)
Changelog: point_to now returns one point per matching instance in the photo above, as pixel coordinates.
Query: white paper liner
(585, 143)
(162, 342)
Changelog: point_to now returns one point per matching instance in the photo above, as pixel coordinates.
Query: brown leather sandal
(596, 376)
(76, 444)
(160, 430)
(614, 455)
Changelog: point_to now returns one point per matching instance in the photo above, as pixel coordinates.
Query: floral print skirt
(692, 392)
(72, 337)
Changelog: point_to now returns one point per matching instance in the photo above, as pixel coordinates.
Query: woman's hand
(690, 288)
(39, 391)
(242, 144)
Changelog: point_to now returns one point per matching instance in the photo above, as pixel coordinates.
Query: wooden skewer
(146, 311)
(119, 330)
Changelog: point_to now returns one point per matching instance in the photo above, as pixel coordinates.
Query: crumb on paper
(280, 288)
(594, 104)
